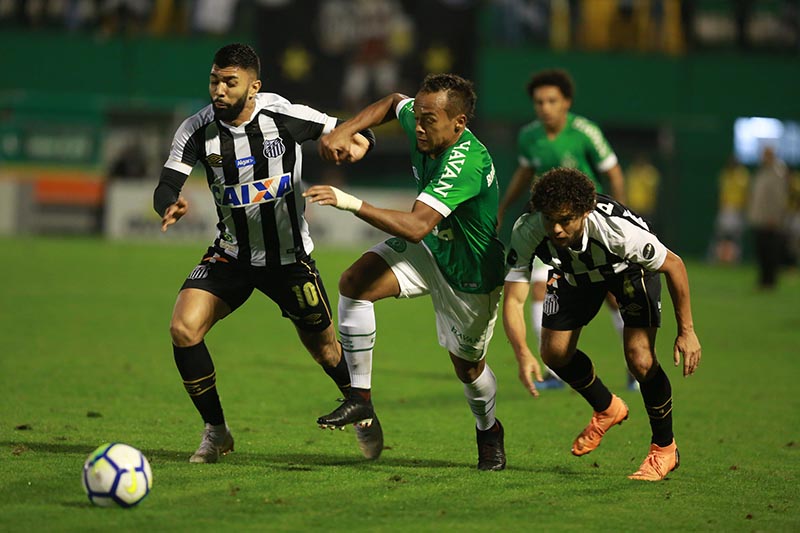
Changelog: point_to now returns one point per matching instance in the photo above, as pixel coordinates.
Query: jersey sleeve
(405, 115)
(185, 149)
(598, 150)
(305, 123)
(635, 244)
(519, 258)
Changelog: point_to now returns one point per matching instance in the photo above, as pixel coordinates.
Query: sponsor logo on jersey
(245, 162)
(254, 192)
(455, 162)
(214, 160)
(649, 251)
(569, 161)
(274, 148)
(490, 177)
(398, 245)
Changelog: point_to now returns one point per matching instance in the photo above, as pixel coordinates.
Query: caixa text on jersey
(254, 192)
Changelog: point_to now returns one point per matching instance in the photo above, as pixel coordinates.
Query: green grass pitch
(85, 358)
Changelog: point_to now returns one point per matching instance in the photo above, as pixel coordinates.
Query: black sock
(657, 396)
(366, 394)
(579, 374)
(200, 380)
(340, 375)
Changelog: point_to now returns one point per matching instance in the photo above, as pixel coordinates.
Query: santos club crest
(274, 147)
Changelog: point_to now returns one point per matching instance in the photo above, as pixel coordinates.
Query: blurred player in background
(596, 245)
(445, 246)
(249, 144)
(734, 185)
(767, 210)
(559, 138)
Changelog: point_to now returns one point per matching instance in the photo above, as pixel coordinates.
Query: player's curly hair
(564, 191)
(238, 55)
(461, 95)
(552, 77)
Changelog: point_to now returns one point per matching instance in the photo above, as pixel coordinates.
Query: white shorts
(539, 271)
(464, 322)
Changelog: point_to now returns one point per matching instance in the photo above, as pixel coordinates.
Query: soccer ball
(117, 474)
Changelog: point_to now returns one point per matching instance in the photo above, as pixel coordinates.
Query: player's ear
(461, 123)
(254, 88)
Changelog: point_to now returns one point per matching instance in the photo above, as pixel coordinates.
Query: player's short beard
(230, 113)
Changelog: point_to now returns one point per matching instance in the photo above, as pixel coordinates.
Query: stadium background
(87, 90)
(89, 103)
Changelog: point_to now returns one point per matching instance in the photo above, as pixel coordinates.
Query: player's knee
(183, 334)
(350, 284)
(554, 358)
(641, 365)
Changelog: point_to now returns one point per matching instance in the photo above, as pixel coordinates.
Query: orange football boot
(590, 437)
(658, 463)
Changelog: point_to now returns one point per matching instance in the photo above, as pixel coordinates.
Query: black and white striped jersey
(254, 174)
(614, 238)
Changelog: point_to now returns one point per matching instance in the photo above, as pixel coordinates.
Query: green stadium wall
(697, 97)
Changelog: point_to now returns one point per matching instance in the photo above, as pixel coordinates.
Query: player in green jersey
(445, 246)
(559, 138)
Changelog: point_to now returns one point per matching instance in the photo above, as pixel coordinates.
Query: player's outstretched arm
(174, 213)
(336, 145)
(411, 226)
(515, 295)
(686, 342)
(520, 184)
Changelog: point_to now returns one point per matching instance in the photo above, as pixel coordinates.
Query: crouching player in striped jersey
(249, 145)
(596, 245)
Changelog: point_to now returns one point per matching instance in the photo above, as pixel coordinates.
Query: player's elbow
(417, 231)
(415, 237)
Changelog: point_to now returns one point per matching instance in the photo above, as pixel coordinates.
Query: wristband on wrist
(346, 202)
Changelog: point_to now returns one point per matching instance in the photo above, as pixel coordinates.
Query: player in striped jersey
(596, 245)
(559, 138)
(249, 145)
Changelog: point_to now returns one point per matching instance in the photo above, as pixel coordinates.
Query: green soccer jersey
(460, 184)
(579, 145)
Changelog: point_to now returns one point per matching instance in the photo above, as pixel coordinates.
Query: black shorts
(296, 288)
(638, 292)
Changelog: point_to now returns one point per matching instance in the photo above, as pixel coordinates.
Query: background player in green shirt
(446, 246)
(558, 138)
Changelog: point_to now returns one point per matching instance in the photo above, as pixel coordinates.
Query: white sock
(357, 334)
(537, 310)
(616, 318)
(480, 397)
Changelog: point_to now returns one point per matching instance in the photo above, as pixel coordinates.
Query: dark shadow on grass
(279, 460)
(282, 460)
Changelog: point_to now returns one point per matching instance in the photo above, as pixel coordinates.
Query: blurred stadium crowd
(667, 25)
